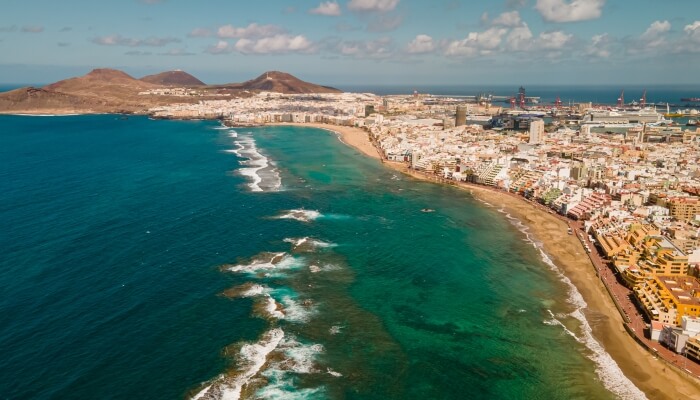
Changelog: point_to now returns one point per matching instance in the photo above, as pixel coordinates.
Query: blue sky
(358, 41)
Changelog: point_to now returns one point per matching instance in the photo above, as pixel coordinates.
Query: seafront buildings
(630, 176)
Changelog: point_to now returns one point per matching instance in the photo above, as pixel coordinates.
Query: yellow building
(662, 257)
(683, 208)
(668, 298)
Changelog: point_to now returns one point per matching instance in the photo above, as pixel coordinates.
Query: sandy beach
(651, 375)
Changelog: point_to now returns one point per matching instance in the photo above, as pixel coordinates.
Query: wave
(251, 359)
(301, 214)
(308, 244)
(266, 264)
(313, 268)
(607, 369)
(261, 173)
(275, 304)
(268, 369)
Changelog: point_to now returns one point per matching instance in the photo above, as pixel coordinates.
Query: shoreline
(651, 375)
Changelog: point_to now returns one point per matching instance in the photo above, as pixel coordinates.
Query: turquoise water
(139, 262)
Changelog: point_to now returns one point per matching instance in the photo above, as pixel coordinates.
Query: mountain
(282, 82)
(173, 78)
(107, 90)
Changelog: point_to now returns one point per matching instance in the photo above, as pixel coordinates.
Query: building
(461, 116)
(668, 299)
(683, 208)
(536, 131)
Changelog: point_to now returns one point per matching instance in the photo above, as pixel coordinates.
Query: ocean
(169, 259)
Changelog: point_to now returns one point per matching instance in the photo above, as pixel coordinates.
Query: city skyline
(359, 41)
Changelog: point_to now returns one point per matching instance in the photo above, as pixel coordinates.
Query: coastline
(648, 373)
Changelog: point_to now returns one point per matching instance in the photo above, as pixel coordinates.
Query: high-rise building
(461, 117)
(536, 131)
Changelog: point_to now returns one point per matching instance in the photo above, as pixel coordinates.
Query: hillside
(282, 82)
(173, 78)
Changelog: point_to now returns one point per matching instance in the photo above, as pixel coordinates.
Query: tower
(461, 116)
(536, 131)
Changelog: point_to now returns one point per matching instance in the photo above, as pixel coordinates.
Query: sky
(357, 42)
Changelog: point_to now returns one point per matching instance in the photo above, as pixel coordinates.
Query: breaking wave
(262, 174)
(606, 368)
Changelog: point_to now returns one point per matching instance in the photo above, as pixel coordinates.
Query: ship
(691, 99)
(692, 122)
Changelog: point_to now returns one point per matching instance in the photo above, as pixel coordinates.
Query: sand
(649, 374)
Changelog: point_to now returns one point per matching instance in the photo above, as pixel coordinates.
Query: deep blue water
(128, 245)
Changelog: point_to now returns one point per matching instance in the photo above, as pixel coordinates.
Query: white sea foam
(268, 264)
(233, 134)
(301, 214)
(606, 368)
(333, 373)
(308, 243)
(263, 176)
(250, 359)
(335, 329)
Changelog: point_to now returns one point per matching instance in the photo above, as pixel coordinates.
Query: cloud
(276, 44)
(372, 5)
(253, 30)
(421, 44)
(118, 40)
(476, 43)
(327, 8)
(519, 38)
(556, 40)
(11, 28)
(138, 53)
(599, 46)
(66, 29)
(692, 31)
(511, 18)
(176, 52)
(221, 47)
(654, 35)
(377, 49)
(63, 44)
(32, 29)
(199, 32)
(569, 11)
(384, 23)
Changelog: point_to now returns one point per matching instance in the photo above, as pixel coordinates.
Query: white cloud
(476, 43)
(569, 11)
(421, 44)
(654, 35)
(253, 30)
(519, 39)
(200, 32)
(372, 5)
(328, 8)
(118, 40)
(599, 46)
(511, 18)
(693, 31)
(276, 44)
(556, 40)
(377, 49)
(221, 47)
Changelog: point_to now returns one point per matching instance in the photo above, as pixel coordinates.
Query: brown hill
(173, 78)
(282, 82)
